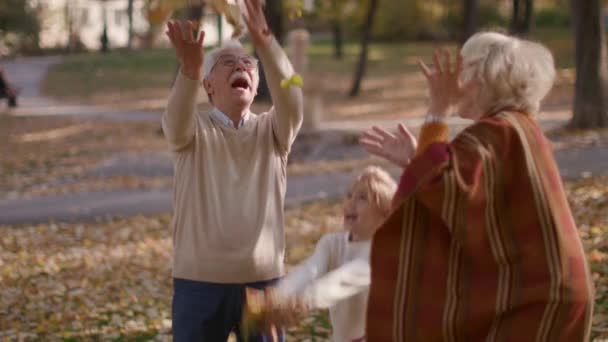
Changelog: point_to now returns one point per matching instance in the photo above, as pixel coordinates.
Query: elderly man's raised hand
(188, 48)
(256, 22)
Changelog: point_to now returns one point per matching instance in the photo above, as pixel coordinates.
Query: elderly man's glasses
(230, 61)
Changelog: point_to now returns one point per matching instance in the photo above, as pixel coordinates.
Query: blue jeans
(208, 312)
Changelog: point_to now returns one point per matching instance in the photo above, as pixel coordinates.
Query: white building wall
(210, 27)
(87, 16)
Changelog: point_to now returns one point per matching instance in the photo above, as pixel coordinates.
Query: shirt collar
(224, 119)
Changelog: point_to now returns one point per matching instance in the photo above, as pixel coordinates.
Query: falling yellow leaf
(294, 81)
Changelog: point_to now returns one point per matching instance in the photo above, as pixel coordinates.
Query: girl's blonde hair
(380, 186)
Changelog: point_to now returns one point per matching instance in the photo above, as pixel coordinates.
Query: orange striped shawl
(481, 245)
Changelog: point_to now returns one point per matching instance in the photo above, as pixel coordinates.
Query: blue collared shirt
(223, 118)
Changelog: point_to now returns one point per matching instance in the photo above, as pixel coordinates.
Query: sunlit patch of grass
(86, 75)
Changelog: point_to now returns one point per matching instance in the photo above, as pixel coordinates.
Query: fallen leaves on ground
(589, 201)
(50, 155)
(563, 138)
(91, 184)
(82, 281)
(111, 280)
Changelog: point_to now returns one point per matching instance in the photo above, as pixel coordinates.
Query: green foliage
(18, 16)
(337, 9)
(19, 26)
(348, 14)
(394, 19)
(552, 17)
(402, 20)
(117, 71)
(420, 20)
(488, 17)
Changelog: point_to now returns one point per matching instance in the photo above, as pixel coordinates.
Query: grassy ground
(92, 74)
(110, 280)
(392, 86)
(50, 155)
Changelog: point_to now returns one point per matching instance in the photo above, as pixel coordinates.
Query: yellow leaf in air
(294, 81)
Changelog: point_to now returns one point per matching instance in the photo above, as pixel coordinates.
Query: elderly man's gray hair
(512, 72)
(212, 56)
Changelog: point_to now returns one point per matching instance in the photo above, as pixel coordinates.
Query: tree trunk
(274, 16)
(130, 16)
(521, 17)
(514, 26)
(105, 43)
(220, 29)
(528, 17)
(195, 13)
(69, 26)
(469, 24)
(591, 89)
(336, 27)
(365, 38)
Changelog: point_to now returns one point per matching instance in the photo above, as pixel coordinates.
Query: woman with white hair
(481, 244)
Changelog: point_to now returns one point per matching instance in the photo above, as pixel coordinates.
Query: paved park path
(28, 73)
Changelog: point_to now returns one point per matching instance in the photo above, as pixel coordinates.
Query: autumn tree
(19, 25)
(591, 88)
(366, 33)
(274, 17)
(130, 29)
(469, 22)
(522, 14)
(337, 7)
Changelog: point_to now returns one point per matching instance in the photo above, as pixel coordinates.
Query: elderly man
(230, 177)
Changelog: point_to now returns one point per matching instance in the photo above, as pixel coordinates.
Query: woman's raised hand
(443, 80)
(398, 148)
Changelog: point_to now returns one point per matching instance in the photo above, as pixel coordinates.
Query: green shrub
(401, 20)
(552, 17)
(488, 17)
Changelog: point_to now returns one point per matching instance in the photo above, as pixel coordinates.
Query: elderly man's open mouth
(240, 83)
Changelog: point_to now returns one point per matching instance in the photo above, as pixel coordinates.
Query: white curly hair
(212, 56)
(512, 72)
